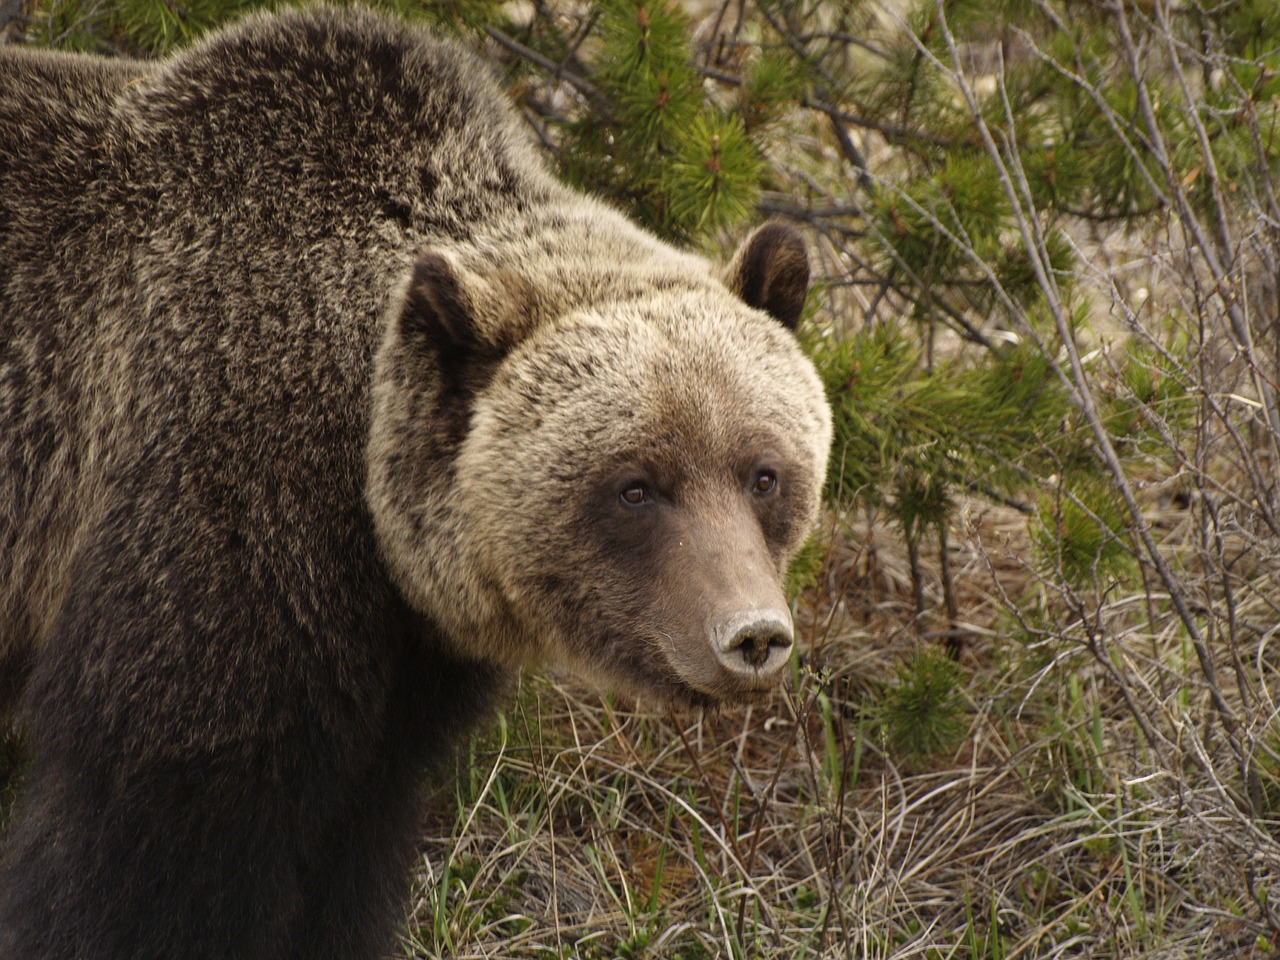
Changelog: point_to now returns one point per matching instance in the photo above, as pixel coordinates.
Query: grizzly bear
(323, 409)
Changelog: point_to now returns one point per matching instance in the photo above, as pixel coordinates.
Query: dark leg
(356, 901)
(220, 769)
(192, 747)
(184, 861)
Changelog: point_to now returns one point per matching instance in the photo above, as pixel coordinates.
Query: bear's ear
(771, 273)
(437, 308)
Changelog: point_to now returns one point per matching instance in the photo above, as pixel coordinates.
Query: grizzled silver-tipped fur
(323, 406)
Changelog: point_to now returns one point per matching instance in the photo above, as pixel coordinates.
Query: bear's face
(630, 484)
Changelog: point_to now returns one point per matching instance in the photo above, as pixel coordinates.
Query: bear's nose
(753, 644)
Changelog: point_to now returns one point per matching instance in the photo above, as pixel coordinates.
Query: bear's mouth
(641, 668)
(667, 687)
(677, 699)
(683, 700)
(701, 679)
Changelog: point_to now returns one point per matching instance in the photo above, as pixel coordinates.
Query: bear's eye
(634, 495)
(766, 483)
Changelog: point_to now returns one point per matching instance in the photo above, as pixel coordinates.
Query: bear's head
(613, 478)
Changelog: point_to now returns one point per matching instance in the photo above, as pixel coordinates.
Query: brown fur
(320, 401)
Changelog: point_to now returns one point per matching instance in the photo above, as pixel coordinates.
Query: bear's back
(342, 118)
(208, 247)
(54, 110)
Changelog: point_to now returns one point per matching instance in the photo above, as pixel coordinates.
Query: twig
(599, 102)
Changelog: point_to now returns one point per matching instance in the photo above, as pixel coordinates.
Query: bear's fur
(323, 407)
